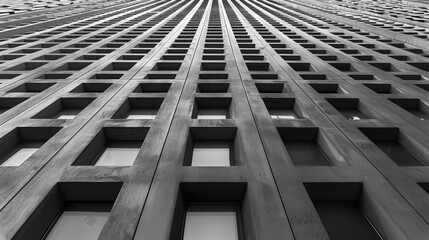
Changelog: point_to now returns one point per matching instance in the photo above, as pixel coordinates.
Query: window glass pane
(118, 157)
(283, 114)
(142, 114)
(348, 215)
(131, 116)
(211, 117)
(210, 226)
(210, 157)
(65, 116)
(67, 113)
(212, 114)
(74, 225)
(306, 153)
(398, 154)
(19, 157)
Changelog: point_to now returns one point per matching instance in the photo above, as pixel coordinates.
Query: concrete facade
(326, 116)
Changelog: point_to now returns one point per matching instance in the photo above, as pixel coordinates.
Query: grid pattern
(315, 101)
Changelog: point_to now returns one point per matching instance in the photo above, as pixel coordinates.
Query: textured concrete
(319, 59)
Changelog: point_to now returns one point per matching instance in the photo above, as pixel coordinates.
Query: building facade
(214, 119)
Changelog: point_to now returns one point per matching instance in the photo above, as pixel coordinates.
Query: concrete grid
(353, 73)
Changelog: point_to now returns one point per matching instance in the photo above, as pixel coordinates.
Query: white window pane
(211, 157)
(149, 113)
(66, 116)
(67, 113)
(132, 116)
(286, 117)
(211, 117)
(19, 157)
(283, 114)
(118, 157)
(210, 226)
(74, 225)
(212, 113)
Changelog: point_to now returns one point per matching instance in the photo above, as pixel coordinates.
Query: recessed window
(20, 144)
(78, 225)
(152, 88)
(306, 153)
(8, 103)
(213, 87)
(141, 114)
(119, 153)
(414, 106)
(394, 145)
(282, 108)
(71, 210)
(20, 153)
(212, 108)
(211, 147)
(382, 88)
(398, 153)
(64, 108)
(201, 223)
(211, 153)
(350, 108)
(327, 88)
(214, 113)
(270, 87)
(91, 88)
(113, 147)
(283, 114)
(339, 208)
(139, 108)
(303, 146)
(32, 87)
(209, 211)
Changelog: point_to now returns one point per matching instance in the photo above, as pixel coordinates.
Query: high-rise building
(214, 120)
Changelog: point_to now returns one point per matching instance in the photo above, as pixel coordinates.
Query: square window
(414, 106)
(302, 145)
(211, 154)
(78, 225)
(270, 87)
(8, 103)
(139, 108)
(213, 87)
(32, 87)
(340, 204)
(119, 154)
(351, 108)
(282, 108)
(64, 108)
(141, 114)
(71, 210)
(152, 88)
(113, 146)
(213, 113)
(283, 114)
(91, 88)
(209, 211)
(392, 144)
(212, 108)
(327, 88)
(20, 144)
(210, 225)
(19, 156)
(211, 147)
